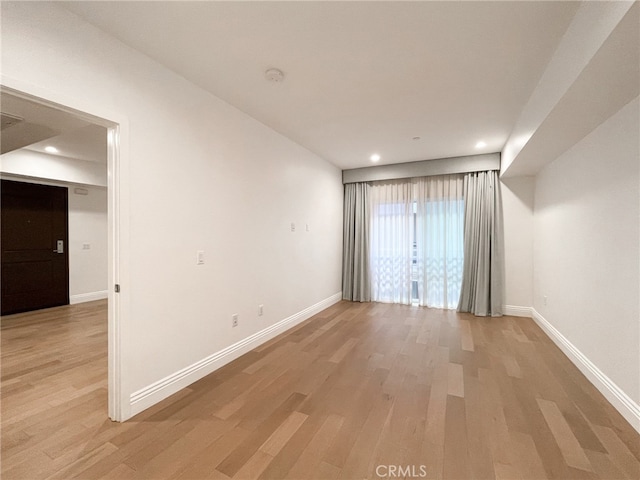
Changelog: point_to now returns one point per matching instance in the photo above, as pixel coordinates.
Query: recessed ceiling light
(481, 144)
(375, 157)
(50, 149)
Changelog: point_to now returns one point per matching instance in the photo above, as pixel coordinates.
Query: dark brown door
(35, 258)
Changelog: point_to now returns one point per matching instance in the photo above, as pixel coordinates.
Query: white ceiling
(36, 126)
(87, 143)
(360, 77)
(33, 122)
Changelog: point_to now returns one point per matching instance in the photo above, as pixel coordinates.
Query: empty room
(320, 240)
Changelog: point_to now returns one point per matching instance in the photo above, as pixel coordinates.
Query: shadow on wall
(591, 169)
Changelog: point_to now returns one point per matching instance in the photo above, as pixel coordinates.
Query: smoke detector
(274, 75)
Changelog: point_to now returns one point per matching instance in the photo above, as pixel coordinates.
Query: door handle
(59, 247)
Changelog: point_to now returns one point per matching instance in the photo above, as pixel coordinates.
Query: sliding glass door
(416, 253)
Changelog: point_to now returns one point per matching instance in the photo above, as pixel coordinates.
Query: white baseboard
(154, 393)
(88, 297)
(629, 409)
(516, 311)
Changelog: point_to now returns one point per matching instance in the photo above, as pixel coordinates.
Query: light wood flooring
(358, 391)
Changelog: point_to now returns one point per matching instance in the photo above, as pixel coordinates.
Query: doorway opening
(49, 147)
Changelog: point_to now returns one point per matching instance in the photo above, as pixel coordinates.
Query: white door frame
(117, 221)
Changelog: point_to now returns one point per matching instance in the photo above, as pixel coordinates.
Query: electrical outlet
(293, 227)
(234, 320)
(260, 310)
(544, 299)
(200, 257)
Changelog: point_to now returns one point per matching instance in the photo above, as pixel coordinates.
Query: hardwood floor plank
(603, 466)
(544, 441)
(283, 433)
(355, 417)
(455, 380)
(526, 458)
(265, 402)
(466, 337)
(163, 440)
(343, 350)
(178, 455)
(358, 464)
(312, 456)
(81, 463)
(581, 428)
(36, 466)
(352, 388)
(494, 422)
(506, 472)
(203, 464)
(254, 466)
(569, 446)
(513, 411)
(511, 366)
(433, 444)
(456, 459)
(121, 472)
(289, 454)
(480, 461)
(618, 452)
(236, 459)
(325, 471)
(272, 356)
(437, 406)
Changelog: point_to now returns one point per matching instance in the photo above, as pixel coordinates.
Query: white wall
(87, 227)
(196, 174)
(517, 208)
(587, 248)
